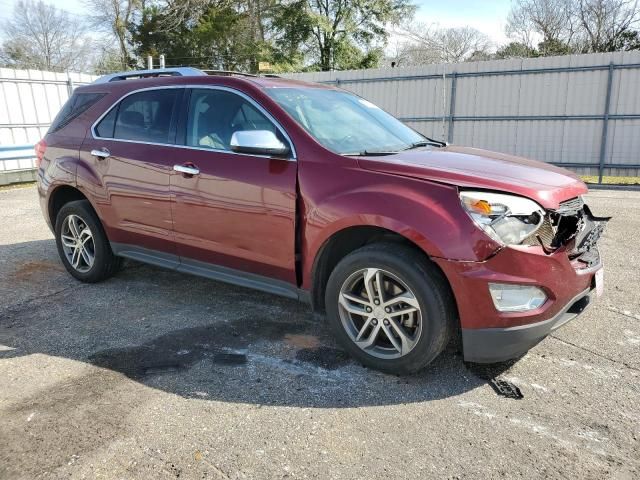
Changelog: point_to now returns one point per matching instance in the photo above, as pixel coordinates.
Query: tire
(97, 262)
(428, 327)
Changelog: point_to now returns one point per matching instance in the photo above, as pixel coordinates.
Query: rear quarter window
(77, 104)
(105, 128)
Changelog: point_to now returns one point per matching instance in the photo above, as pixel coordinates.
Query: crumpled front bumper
(567, 276)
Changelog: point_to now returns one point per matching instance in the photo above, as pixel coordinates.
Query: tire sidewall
(435, 314)
(102, 252)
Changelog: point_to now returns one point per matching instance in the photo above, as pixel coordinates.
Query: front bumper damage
(561, 258)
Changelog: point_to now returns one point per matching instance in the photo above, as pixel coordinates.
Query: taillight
(40, 147)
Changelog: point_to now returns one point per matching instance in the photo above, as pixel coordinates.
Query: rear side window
(143, 117)
(75, 106)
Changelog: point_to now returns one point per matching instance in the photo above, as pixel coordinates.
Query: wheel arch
(62, 195)
(344, 241)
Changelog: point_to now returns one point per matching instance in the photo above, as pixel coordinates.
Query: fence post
(452, 106)
(70, 86)
(605, 123)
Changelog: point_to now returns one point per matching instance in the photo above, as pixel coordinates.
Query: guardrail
(16, 152)
(16, 175)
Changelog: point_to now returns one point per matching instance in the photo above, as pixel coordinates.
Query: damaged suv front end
(543, 275)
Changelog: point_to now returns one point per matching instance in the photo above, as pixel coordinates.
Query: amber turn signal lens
(481, 206)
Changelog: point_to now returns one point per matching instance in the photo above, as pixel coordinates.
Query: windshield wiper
(421, 143)
(370, 153)
(426, 143)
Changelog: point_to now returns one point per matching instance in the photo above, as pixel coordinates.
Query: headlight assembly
(508, 219)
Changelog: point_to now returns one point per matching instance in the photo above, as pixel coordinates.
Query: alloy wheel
(380, 313)
(77, 243)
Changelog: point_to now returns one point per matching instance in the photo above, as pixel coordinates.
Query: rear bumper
(490, 345)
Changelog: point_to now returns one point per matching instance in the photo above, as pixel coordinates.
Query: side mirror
(258, 142)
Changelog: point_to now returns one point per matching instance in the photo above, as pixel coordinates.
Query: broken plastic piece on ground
(506, 389)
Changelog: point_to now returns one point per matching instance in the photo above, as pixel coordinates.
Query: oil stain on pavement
(225, 343)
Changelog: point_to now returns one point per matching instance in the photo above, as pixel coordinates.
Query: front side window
(215, 115)
(345, 123)
(144, 117)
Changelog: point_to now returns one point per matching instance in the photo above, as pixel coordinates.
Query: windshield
(345, 123)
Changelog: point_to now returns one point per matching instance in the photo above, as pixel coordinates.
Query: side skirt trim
(207, 270)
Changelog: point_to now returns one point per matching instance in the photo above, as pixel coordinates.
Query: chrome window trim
(292, 157)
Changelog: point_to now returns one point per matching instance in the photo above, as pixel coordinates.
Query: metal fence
(29, 100)
(577, 111)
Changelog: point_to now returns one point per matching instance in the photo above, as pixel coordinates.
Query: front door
(131, 150)
(233, 210)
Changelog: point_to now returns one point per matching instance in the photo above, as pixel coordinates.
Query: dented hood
(475, 168)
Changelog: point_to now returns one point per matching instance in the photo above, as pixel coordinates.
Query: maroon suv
(313, 193)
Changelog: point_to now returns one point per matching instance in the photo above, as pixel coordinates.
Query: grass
(610, 180)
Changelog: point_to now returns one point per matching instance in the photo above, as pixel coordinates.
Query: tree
(43, 37)
(219, 38)
(606, 23)
(431, 44)
(116, 18)
(629, 40)
(108, 60)
(578, 26)
(341, 25)
(290, 28)
(550, 19)
(289, 34)
(516, 50)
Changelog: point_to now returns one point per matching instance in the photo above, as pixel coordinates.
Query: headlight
(508, 219)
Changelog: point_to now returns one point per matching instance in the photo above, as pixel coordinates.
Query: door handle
(101, 154)
(186, 169)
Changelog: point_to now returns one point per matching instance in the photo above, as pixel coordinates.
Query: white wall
(29, 100)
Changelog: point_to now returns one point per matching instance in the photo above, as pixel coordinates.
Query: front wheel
(390, 307)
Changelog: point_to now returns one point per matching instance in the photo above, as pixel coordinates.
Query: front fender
(427, 214)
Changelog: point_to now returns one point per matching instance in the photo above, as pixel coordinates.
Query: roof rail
(229, 73)
(157, 72)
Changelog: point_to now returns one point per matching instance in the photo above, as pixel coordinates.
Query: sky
(488, 16)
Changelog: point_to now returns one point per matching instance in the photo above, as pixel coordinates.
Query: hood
(471, 167)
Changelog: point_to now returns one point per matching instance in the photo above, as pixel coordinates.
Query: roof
(174, 75)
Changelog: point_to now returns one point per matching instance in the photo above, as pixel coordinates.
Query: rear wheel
(82, 244)
(390, 307)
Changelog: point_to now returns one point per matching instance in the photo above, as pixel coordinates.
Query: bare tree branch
(41, 36)
(429, 43)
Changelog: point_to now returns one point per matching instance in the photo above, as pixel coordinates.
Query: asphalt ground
(155, 374)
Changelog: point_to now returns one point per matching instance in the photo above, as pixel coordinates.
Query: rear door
(132, 149)
(238, 210)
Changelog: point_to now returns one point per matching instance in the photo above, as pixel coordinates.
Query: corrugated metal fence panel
(540, 112)
(623, 142)
(29, 100)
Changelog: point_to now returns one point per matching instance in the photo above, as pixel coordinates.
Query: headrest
(132, 118)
